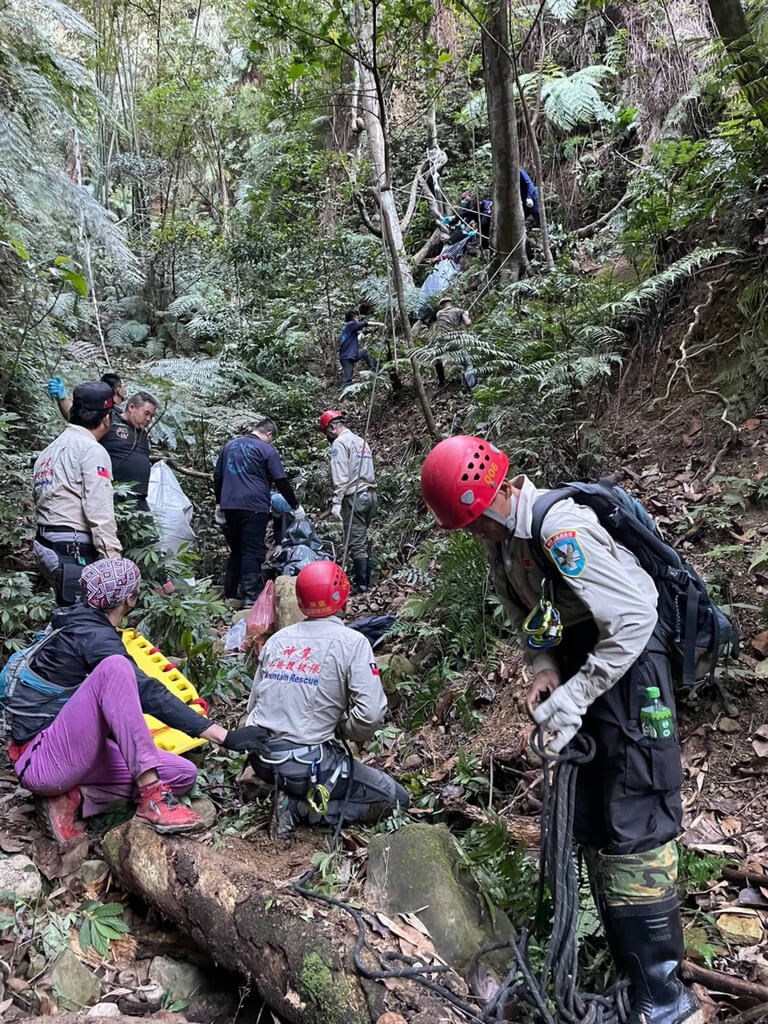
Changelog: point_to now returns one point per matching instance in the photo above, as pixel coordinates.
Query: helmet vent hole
(465, 476)
(477, 476)
(470, 465)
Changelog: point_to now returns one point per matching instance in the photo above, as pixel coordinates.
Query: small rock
(104, 1010)
(211, 1008)
(93, 872)
(760, 643)
(145, 1000)
(206, 809)
(412, 761)
(728, 725)
(180, 980)
(74, 986)
(20, 876)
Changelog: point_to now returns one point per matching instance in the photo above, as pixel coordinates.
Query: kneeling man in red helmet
(318, 680)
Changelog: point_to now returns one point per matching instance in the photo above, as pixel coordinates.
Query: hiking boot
(361, 575)
(58, 817)
(160, 809)
(286, 817)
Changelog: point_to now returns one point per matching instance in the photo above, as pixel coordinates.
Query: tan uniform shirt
(72, 486)
(311, 677)
(601, 580)
(351, 466)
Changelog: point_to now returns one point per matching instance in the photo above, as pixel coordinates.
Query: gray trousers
(352, 799)
(357, 511)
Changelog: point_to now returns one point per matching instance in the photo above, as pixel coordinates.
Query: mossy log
(297, 953)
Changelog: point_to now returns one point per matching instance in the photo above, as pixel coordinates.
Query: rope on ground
(553, 991)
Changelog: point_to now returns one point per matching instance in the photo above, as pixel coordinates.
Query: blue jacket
(349, 344)
(529, 191)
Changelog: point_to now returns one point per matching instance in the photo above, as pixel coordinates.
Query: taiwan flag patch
(103, 471)
(374, 669)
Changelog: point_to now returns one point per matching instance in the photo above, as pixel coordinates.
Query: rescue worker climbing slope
(628, 805)
(354, 498)
(318, 679)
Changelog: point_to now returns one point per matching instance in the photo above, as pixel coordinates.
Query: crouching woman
(90, 743)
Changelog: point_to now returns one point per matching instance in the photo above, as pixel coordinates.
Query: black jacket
(87, 637)
(128, 447)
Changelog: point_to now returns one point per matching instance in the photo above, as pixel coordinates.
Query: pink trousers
(100, 742)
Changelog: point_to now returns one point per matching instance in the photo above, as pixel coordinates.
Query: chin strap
(509, 521)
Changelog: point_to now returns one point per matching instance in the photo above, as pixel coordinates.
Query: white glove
(298, 513)
(219, 516)
(561, 713)
(336, 510)
(529, 203)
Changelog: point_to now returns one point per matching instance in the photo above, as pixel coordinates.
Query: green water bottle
(656, 718)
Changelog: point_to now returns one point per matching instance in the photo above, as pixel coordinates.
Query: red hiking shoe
(160, 809)
(58, 814)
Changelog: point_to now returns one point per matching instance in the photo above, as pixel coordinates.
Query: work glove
(219, 516)
(56, 388)
(336, 510)
(529, 203)
(299, 514)
(249, 737)
(561, 714)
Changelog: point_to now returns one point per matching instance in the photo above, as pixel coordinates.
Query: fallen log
(297, 953)
(718, 981)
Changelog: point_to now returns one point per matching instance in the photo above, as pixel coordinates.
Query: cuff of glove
(564, 705)
(539, 661)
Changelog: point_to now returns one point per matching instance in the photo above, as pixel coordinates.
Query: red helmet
(329, 417)
(322, 589)
(460, 478)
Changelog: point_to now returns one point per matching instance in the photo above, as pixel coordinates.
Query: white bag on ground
(171, 508)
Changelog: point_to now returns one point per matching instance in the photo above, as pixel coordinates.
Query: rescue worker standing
(354, 499)
(128, 445)
(318, 679)
(628, 804)
(57, 390)
(72, 490)
(349, 345)
(246, 469)
(450, 324)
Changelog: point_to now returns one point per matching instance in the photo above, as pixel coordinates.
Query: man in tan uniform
(72, 490)
(628, 807)
(354, 499)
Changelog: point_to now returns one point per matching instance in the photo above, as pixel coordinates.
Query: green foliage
(100, 923)
(696, 870)
(22, 611)
(505, 875)
(191, 612)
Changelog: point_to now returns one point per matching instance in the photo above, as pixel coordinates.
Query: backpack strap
(541, 507)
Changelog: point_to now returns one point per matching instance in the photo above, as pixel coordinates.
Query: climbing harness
(552, 991)
(543, 627)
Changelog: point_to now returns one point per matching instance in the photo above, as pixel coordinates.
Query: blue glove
(56, 388)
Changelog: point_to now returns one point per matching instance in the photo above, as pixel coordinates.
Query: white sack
(171, 508)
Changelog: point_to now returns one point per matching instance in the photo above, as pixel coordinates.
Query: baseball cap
(94, 396)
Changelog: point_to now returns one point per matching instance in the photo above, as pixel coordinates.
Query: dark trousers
(245, 533)
(628, 797)
(368, 786)
(348, 366)
(65, 567)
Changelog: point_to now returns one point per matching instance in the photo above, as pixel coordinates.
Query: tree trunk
(508, 236)
(297, 952)
(750, 64)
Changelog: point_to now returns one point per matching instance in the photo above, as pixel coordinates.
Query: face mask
(509, 521)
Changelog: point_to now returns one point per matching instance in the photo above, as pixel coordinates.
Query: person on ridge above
(349, 345)
(354, 499)
(72, 491)
(246, 469)
(90, 741)
(317, 679)
(57, 390)
(628, 806)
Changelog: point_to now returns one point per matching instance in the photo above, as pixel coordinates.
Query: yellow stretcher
(154, 663)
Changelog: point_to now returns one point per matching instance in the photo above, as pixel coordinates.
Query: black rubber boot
(361, 575)
(647, 941)
(368, 568)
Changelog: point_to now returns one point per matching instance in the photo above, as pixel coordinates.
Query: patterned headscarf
(109, 581)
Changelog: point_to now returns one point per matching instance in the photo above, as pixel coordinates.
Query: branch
(419, 179)
(184, 470)
(588, 229)
(365, 217)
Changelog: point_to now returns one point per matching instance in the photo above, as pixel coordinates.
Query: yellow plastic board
(154, 663)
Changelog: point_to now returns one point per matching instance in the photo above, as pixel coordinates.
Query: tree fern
(575, 100)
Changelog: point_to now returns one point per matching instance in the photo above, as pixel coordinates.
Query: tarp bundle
(300, 546)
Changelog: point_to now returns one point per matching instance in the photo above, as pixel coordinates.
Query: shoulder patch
(567, 552)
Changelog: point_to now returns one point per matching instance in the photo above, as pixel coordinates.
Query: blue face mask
(509, 521)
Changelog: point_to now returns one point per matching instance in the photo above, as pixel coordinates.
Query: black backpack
(700, 632)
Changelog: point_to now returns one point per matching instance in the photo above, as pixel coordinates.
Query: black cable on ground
(553, 993)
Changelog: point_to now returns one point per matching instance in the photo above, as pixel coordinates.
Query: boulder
(104, 1010)
(394, 669)
(206, 809)
(286, 606)
(179, 979)
(93, 872)
(18, 875)
(74, 986)
(418, 869)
